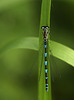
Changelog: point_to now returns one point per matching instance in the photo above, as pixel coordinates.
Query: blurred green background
(19, 67)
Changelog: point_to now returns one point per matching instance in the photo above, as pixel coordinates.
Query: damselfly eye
(42, 27)
(47, 27)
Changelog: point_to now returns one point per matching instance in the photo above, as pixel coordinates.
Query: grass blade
(44, 21)
(64, 53)
(24, 43)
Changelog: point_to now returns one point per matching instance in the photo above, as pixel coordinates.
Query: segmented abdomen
(46, 70)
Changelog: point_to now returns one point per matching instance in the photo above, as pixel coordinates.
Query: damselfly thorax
(45, 32)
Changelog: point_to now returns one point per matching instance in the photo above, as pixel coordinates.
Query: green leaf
(24, 43)
(58, 50)
(62, 52)
(44, 21)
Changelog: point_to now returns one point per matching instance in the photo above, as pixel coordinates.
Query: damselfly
(46, 31)
(45, 40)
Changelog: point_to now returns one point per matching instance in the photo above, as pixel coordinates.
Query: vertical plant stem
(44, 21)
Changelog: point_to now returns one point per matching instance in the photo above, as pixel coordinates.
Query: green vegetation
(19, 26)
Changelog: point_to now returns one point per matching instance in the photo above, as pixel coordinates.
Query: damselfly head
(45, 32)
(44, 27)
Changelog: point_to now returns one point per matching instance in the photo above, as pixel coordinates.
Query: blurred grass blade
(59, 51)
(24, 43)
(8, 3)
